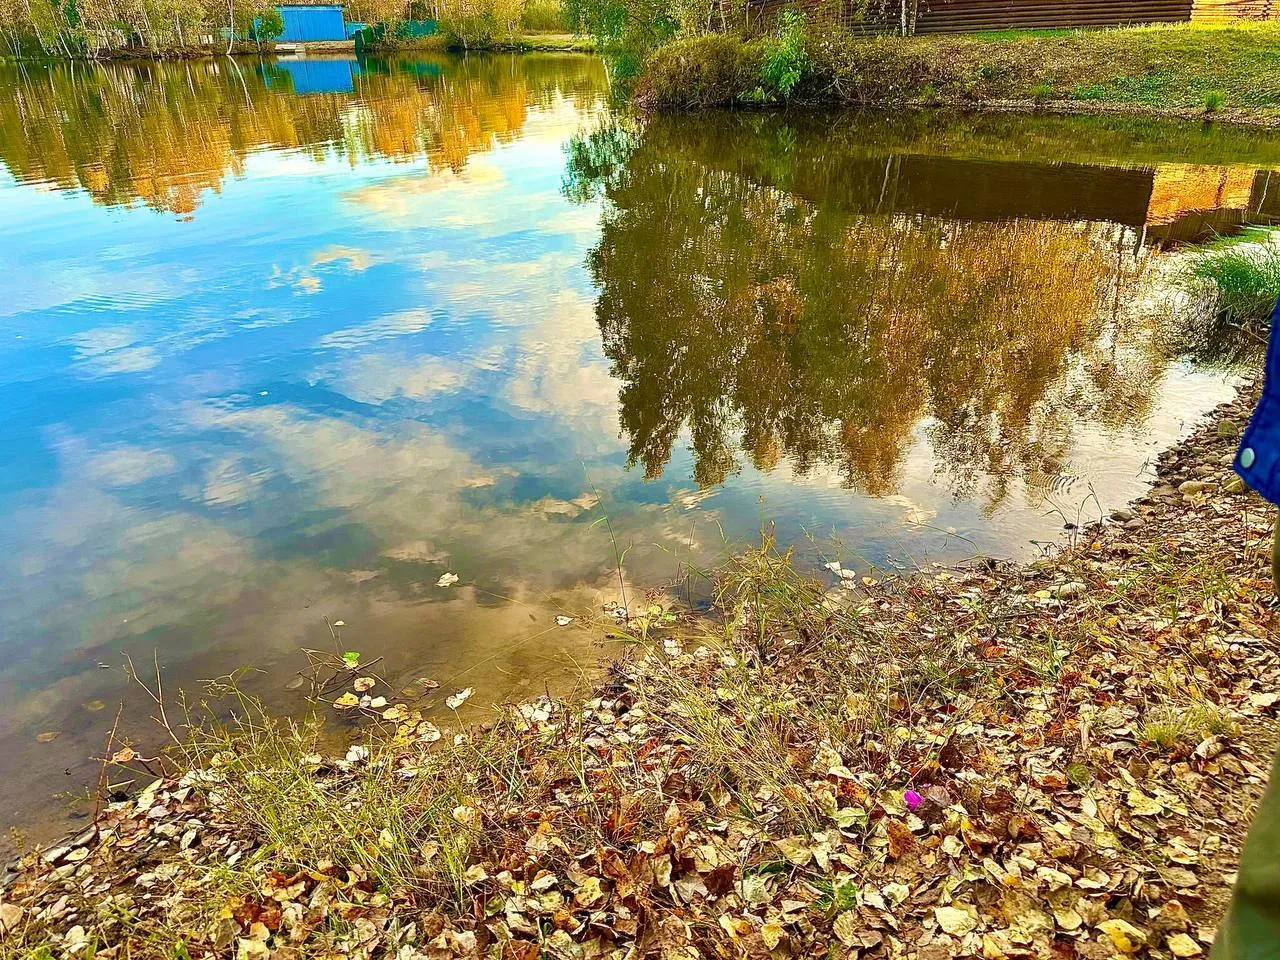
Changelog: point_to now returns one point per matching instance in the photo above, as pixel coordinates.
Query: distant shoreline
(521, 43)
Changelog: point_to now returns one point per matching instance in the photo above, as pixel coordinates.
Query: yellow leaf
(1126, 937)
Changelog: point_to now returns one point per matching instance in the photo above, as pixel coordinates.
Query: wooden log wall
(1224, 11)
(964, 16)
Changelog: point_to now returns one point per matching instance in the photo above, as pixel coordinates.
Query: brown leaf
(720, 880)
(900, 838)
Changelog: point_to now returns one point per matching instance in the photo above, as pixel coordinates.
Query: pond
(291, 340)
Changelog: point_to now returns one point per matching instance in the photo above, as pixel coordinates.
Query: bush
(785, 61)
(544, 15)
(268, 25)
(702, 71)
(470, 23)
(1213, 100)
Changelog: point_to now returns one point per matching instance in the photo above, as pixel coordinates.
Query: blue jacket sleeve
(1258, 459)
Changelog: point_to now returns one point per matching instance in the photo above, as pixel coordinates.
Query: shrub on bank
(704, 71)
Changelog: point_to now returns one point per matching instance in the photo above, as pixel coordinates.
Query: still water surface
(281, 341)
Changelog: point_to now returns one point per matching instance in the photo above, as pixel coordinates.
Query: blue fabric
(1262, 436)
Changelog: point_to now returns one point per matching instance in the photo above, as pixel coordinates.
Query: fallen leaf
(346, 701)
(455, 700)
(447, 580)
(846, 929)
(956, 921)
(771, 934)
(1181, 945)
(1143, 805)
(563, 621)
(900, 838)
(796, 849)
(1126, 937)
(363, 684)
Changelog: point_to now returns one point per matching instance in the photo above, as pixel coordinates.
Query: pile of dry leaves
(1047, 761)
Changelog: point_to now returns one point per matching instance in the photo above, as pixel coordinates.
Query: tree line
(95, 28)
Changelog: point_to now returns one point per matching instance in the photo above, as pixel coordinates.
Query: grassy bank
(1001, 760)
(1233, 72)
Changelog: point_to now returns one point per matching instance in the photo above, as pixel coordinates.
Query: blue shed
(312, 22)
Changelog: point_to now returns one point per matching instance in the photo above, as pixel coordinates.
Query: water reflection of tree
(164, 133)
(776, 325)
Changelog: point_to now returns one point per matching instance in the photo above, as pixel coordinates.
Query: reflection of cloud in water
(229, 483)
(125, 466)
(420, 197)
(109, 350)
(398, 324)
(376, 378)
(353, 258)
(548, 372)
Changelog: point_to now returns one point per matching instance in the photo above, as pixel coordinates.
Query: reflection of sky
(332, 385)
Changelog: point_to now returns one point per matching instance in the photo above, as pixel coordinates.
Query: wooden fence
(966, 16)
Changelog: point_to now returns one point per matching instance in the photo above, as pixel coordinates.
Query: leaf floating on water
(428, 732)
(346, 701)
(351, 659)
(339, 623)
(125, 755)
(563, 621)
(364, 683)
(47, 736)
(93, 706)
(393, 713)
(377, 703)
(454, 701)
(447, 580)
(428, 682)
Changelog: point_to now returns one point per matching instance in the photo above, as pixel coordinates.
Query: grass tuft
(1170, 727)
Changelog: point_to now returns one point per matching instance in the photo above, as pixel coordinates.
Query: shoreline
(989, 760)
(1187, 71)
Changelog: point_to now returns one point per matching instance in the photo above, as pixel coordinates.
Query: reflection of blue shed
(312, 22)
(319, 76)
